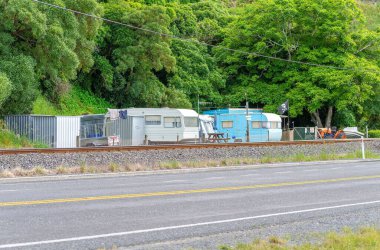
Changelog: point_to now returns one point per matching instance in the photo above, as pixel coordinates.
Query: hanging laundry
(114, 114)
(123, 114)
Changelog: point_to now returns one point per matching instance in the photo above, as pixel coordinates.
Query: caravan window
(256, 124)
(152, 120)
(265, 125)
(191, 122)
(172, 122)
(227, 124)
(275, 125)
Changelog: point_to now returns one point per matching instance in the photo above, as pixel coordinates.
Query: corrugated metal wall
(62, 131)
(43, 130)
(38, 129)
(53, 131)
(127, 130)
(68, 129)
(19, 124)
(121, 128)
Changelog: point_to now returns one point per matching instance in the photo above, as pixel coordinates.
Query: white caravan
(166, 125)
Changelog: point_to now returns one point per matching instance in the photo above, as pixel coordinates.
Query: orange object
(340, 135)
(325, 133)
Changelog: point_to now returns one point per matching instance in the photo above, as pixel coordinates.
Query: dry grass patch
(61, 170)
(136, 167)
(39, 171)
(6, 174)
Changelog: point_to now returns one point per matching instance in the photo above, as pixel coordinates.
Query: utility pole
(289, 116)
(247, 115)
(198, 104)
(199, 125)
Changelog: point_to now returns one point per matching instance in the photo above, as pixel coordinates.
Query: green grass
(365, 238)
(10, 140)
(76, 102)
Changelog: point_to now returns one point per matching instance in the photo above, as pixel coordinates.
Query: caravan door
(138, 134)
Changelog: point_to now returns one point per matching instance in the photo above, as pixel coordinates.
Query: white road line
(365, 167)
(312, 170)
(215, 178)
(10, 190)
(284, 172)
(173, 181)
(250, 174)
(336, 168)
(158, 229)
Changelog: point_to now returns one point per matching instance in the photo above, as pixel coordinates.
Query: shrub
(374, 134)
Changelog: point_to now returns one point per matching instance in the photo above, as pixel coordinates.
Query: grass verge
(10, 140)
(365, 238)
(173, 164)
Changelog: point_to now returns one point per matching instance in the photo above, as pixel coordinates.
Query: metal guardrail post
(363, 150)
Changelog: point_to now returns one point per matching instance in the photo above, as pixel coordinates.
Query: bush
(374, 134)
(9, 140)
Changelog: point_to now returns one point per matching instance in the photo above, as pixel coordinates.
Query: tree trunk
(316, 119)
(329, 117)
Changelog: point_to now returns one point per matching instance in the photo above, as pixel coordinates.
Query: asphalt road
(193, 209)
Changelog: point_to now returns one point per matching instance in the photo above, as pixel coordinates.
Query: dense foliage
(374, 134)
(42, 48)
(318, 32)
(48, 51)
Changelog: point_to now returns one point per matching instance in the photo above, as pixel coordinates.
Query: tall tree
(41, 46)
(327, 32)
(129, 59)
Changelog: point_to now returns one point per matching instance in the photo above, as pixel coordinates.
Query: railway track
(167, 147)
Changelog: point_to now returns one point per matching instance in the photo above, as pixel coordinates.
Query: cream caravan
(166, 125)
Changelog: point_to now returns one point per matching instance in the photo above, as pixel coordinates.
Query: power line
(192, 40)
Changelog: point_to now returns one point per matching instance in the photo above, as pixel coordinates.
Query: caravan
(163, 125)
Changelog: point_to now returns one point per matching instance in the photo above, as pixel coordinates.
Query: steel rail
(168, 147)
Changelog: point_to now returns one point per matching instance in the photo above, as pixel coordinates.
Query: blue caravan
(233, 123)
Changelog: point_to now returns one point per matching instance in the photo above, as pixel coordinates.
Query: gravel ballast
(51, 161)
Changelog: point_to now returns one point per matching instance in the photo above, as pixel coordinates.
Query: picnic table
(216, 138)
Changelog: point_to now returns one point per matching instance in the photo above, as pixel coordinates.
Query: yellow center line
(179, 192)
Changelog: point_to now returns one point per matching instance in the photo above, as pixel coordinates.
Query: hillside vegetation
(76, 102)
(323, 56)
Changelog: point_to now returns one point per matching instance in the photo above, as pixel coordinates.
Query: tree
(43, 48)
(134, 67)
(196, 73)
(128, 59)
(318, 32)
